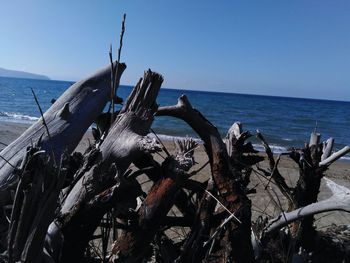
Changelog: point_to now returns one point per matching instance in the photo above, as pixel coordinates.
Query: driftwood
(59, 212)
(313, 161)
(35, 203)
(134, 243)
(227, 180)
(124, 143)
(339, 201)
(67, 120)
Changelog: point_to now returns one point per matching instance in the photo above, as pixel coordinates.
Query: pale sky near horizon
(285, 48)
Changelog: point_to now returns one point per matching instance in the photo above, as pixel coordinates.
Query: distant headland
(20, 74)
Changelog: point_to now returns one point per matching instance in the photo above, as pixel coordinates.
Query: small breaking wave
(170, 138)
(346, 158)
(17, 117)
(276, 149)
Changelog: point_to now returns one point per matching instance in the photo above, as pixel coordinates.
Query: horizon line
(195, 90)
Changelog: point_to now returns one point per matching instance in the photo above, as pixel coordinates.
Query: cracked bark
(125, 142)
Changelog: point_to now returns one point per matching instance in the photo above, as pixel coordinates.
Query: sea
(285, 122)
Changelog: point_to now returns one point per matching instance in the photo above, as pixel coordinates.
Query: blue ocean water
(286, 122)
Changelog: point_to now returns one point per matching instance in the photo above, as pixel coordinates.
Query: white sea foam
(347, 158)
(170, 138)
(257, 147)
(276, 149)
(17, 117)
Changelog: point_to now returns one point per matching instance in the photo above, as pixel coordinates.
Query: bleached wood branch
(340, 200)
(314, 139)
(335, 156)
(327, 149)
(233, 134)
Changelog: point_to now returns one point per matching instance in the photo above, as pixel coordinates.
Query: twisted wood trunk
(228, 182)
(126, 141)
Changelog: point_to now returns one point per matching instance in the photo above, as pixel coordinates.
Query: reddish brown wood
(227, 181)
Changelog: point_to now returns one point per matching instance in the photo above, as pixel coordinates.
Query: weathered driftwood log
(67, 120)
(35, 202)
(310, 175)
(198, 245)
(339, 201)
(125, 142)
(134, 243)
(227, 181)
(313, 161)
(242, 156)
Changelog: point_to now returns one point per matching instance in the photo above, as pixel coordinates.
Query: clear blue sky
(298, 48)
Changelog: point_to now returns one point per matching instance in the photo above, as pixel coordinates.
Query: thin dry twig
(160, 141)
(44, 123)
(8, 162)
(218, 229)
(112, 75)
(42, 114)
(115, 82)
(221, 204)
(273, 170)
(199, 169)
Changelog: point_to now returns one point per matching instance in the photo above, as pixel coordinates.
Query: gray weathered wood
(340, 200)
(314, 139)
(327, 149)
(34, 207)
(67, 120)
(125, 142)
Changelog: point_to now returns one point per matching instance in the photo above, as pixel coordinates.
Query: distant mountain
(20, 74)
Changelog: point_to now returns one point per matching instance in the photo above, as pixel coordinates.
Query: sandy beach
(339, 172)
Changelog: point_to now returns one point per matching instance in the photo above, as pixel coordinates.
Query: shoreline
(339, 172)
(11, 130)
